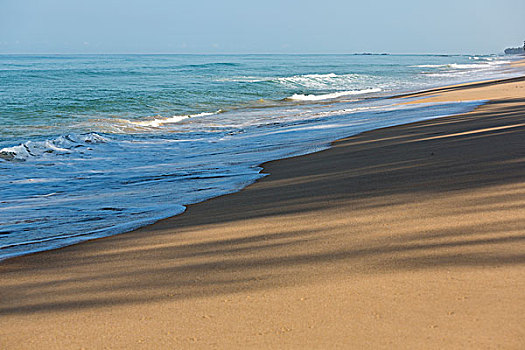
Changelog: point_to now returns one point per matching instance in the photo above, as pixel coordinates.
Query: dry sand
(404, 237)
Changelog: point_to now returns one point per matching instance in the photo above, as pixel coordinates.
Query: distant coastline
(514, 51)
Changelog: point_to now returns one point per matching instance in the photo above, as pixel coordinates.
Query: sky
(261, 26)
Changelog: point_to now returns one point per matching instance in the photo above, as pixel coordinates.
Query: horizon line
(361, 53)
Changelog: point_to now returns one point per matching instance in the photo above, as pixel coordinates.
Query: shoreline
(407, 235)
(458, 87)
(421, 96)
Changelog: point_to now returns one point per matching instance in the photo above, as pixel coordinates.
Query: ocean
(97, 145)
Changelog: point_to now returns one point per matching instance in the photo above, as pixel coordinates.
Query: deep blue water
(94, 145)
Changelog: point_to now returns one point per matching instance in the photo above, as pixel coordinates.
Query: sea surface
(96, 145)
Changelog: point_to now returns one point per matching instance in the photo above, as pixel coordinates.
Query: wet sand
(404, 237)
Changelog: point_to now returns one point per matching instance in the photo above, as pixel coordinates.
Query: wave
(328, 81)
(61, 145)
(430, 66)
(308, 81)
(320, 81)
(333, 95)
(245, 79)
(213, 64)
(132, 126)
(159, 121)
(468, 66)
(482, 65)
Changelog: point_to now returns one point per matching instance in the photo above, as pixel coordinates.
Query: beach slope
(404, 237)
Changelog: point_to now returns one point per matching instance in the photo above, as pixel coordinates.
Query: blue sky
(234, 26)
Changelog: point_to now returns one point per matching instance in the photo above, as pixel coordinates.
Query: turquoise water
(95, 145)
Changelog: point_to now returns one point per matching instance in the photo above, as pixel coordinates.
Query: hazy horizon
(272, 27)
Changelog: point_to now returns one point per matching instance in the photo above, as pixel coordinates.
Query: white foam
(452, 65)
(333, 95)
(34, 180)
(430, 66)
(320, 81)
(482, 65)
(467, 66)
(61, 145)
(499, 62)
(157, 122)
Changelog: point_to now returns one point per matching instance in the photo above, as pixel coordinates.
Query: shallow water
(98, 145)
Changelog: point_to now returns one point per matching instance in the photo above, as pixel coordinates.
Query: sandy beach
(406, 237)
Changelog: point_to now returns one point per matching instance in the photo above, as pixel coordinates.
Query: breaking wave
(62, 145)
(133, 126)
(301, 97)
(321, 81)
(328, 81)
(159, 121)
(483, 65)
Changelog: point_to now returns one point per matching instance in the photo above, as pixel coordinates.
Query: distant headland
(515, 50)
